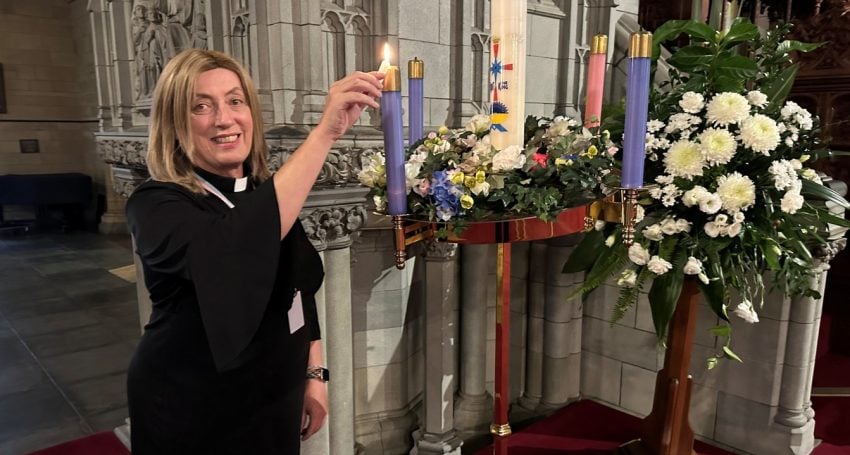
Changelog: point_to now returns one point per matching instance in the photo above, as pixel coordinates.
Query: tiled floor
(67, 330)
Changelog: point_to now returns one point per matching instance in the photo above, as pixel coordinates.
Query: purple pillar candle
(415, 74)
(637, 107)
(393, 142)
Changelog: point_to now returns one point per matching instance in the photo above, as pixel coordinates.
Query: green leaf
(722, 330)
(663, 296)
(727, 351)
(586, 252)
(700, 30)
(741, 31)
(690, 58)
(728, 84)
(736, 66)
(667, 31)
(791, 45)
(779, 88)
(714, 296)
(822, 192)
(769, 254)
(832, 219)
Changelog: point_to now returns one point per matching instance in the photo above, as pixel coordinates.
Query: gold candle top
(392, 79)
(415, 68)
(640, 45)
(599, 44)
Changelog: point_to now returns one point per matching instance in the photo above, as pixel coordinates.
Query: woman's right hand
(346, 100)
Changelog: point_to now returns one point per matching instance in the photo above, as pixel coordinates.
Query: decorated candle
(507, 72)
(637, 107)
(393, 141)
(595, 80)
(385, 63)
(415, 100)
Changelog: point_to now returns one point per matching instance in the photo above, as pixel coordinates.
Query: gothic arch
(333, 44)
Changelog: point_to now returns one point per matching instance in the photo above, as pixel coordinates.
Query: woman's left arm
(315, 396)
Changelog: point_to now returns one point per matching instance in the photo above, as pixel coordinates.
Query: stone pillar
(437, 435)
(562, 329)
(464, 25)
(331, 230)
(113, 221)
(534, 350)
(474, 406)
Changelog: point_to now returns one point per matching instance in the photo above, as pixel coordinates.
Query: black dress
(217, 370)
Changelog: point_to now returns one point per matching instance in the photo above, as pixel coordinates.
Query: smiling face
(221, 122)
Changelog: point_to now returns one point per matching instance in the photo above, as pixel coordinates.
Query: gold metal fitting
(392, 79)
(415, 68)
(600, 44)
(500, 430)
(640, 45)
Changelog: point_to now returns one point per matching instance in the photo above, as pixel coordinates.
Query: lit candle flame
(385, 64)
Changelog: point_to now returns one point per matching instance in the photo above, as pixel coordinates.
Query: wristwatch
(318, 372)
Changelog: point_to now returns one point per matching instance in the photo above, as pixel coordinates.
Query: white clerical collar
(240, 184)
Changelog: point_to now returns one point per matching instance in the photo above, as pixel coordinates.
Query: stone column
(331, 229)
(461, 71)
(534, 350)
(474, 405)
(437, 435)
(562, 329)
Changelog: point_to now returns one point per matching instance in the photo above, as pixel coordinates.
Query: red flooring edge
(103, 443)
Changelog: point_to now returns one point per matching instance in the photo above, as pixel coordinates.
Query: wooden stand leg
(667, 430)
(500, 426)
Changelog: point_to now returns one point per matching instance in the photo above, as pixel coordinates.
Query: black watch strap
(320, 373)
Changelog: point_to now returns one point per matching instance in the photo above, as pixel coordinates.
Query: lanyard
(209, 187)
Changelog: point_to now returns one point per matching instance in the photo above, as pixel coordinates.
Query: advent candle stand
(666, 430)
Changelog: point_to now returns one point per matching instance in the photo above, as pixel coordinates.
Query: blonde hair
(170, 146)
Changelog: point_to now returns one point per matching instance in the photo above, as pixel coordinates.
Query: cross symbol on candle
(498, 111)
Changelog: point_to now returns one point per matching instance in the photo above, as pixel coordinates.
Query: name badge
(296, 313)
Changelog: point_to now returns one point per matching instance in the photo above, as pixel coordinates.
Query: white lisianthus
(442, 147)
(760, 133)
(694, 195)
(560, 126)
(480, 188)
(703, 277)
(627, 279)
(710, 203)
(721, 219)
(757, 98)
(727, 108)
(482, 148)
(792, 201)
(653, 232)
(638, 254)
(639, 213)
(669, 226)
(684, 160)
(736, 191)
(374, 171)
(717, 145)
(511, 157)
(599, 225)
(693, 266)
(712, 229)
(380, 203)
(411, 174)
(609, 242)
(738, 217)
(692, 102)
(734, 229)
(658, 266)
(746, 312)
(478, 123)
(683, 225)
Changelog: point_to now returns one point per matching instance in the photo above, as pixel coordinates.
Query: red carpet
(589, 428)
(584, 427)
(103, 443)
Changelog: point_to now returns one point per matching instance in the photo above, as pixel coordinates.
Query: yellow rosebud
(469, 181)
(457, 178)
(480, 176)
(466, 201)
(560, 162)
(592, 151)
(442, 130)
(804, 158)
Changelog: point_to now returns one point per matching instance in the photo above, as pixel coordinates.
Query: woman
(223, 364)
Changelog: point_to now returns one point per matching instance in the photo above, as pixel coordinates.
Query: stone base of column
(473, 414)
(123, 434)
(529, 404)
(384, 432)
(797, 441)
(437, 444)
(113, 224)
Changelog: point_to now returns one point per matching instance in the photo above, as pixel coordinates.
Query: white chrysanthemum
(692, 102)
(638, 254)
(757, 98)
(727, 108)
(792, 201)
(717, 145)
(760, 133)
(654, 125)
(790, 109)
(783, 174)
(684, 160)
(746, 312)
(710, 203)
(694, 195)
(658, 266)
(693, 266)
(736, 191)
